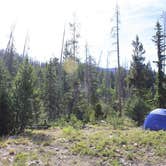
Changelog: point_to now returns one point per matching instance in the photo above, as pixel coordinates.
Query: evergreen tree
(140, 82)
(91, 81)
(23, 94)
(140, 78)
(6, 115)
(136, 73)
(52, 91)
(71, 72)
(158, 39)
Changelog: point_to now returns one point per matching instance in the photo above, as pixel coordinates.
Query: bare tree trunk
(118, 57)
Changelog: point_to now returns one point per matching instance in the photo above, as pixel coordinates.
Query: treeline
(31, 93)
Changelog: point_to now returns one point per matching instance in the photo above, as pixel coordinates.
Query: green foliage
(79, 103)
(23, 96)
(93, 83)
(71, 93)
(69, 130)
(107, 109)
(89, 115)
(141, 85)
(51, 90)
(140, 78)
(64, 121)
(98, 111)
(158, 39)
(20, 159)
(136, 108)
(119, 122)
(6, 114)
(75, 122)
(132, 144)
(25, 158)
(109, 146)
(71, 133)
(60, 122)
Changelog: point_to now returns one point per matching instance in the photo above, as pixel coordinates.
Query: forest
(68, 91)
(34, 93)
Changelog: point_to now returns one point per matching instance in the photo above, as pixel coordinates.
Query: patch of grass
(46, 158)
(120, 122)
(160, 151)
(3, 144)
(22, 141)
(33, 156)
(82, 148)
(66, 121)
(135, 144)
(17, 141)
(69, 130)
(111, 146)
(71, 134)
(130, 156)
(38, 137)
(21, 159)
(95, 145)
(115, 162)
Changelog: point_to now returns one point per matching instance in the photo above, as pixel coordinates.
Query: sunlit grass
(133, 144)
(101, 141)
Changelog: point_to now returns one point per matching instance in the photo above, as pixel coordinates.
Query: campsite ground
(93, 145)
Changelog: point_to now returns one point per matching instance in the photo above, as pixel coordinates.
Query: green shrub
(89, 115)
(61, 122)
(98, 112)
(136, 108)
(65, 122)
(74, 122)
(68, 130)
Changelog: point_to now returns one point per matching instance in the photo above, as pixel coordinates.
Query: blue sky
(44, 21)
(140, 18)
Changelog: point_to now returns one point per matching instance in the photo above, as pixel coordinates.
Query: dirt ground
(51, 148)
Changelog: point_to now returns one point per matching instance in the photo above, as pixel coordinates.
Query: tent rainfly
(156, 120)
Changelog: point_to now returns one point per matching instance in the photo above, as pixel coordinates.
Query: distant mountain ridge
(113, 70)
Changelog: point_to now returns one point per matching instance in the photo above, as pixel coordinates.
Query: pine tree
(140, 84)
(6, 115)
(91, 80)
(137, 77)
(52, 91)
(158, 39)
(23, 94)
(71, 81)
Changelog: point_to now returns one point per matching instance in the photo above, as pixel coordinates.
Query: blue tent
(156, 120)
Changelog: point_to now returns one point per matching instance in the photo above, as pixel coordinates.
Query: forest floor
(94, 145)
